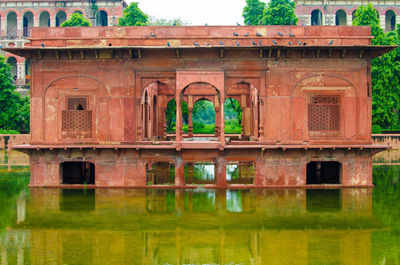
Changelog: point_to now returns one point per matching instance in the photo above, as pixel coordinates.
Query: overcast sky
(198, 12)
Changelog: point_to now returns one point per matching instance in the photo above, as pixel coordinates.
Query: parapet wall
(7, 140)
(392, 140)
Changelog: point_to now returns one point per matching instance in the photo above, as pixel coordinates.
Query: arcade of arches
(203, 113)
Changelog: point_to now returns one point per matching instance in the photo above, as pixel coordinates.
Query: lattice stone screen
(323, 113)
(77, 120)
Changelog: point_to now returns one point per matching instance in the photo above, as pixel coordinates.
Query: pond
(200, 226)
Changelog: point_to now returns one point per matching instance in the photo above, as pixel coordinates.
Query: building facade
(19, 17)
(341, 13)
(99, 100)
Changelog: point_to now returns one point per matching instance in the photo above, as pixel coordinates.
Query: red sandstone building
(341, 13)
(18, 17)
(99, 98)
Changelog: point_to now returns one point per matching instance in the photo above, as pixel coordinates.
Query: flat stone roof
(190, 37)
(201, 36)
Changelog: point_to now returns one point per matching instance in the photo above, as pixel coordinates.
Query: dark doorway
(77, 173)
(319, 172)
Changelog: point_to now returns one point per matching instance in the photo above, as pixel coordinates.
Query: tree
(133, 16)
(280, 12)
(385, 72)
(76, 20)
(253, 12)
(167, 22)
(14, 111)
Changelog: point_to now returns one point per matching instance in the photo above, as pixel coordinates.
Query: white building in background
(341, 12)
(18, 17)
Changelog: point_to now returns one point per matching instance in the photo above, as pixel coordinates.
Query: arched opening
(28, 23)
(61, 16)
(27, 71)
(11, 25)
(12, 61)
(233, 116)
(78, 11)
(204, 107)
(390, 20)
(324, 172)
(77, 173)
(44, 19)
(102, 18)
(243, 102)
(316, 17)
(170, 116)
(341, 18)
(203, 117)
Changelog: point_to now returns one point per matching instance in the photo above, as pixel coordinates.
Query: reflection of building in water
(15, 247)
(110, 103)
(194, 227)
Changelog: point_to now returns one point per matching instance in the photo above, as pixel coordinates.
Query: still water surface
(126, 226)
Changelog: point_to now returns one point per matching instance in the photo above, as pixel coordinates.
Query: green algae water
(131, 226)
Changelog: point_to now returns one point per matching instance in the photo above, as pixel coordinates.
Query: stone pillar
(307, 20)
(20, 25)
(349, 20)
(178, 126)
(329, 20)
(190, 119)
(36, 21)
(21, 74)
(261, 119)
(52, 20)
(382, 19)
(3, 26)
(179, 172)
(222, 120)
(217, 121)
(221, 172)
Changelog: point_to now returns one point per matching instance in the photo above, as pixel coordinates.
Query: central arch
(197, 95)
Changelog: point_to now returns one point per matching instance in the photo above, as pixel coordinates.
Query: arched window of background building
(44, 19)
(390, 20)
(316, 18)
(11, 24)
(28, 23)
(102, 18)
(341, 18)
(61, 16)
(12, 61)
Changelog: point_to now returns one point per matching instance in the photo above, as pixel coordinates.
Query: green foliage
(253, 12)
(385, 72)
(133, 16)
(167, 22)
(76, 20)
(280, 12)
(8, 131)
(376, 129)
(170, 113)
(14, 110)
